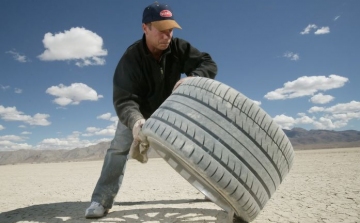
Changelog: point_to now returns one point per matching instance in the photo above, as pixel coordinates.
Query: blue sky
(298, 59)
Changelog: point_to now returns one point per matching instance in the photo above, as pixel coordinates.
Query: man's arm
(194, 62)
(126, 91)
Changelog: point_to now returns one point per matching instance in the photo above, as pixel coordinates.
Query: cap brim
(166, 24)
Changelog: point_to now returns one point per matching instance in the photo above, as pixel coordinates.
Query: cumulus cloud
(333, 117)
(353, 106)
(316, 109)
(18, 90)
(13, 142)
(12, 114)
(78, 44)
(322, 30)
(321, 99)
(287, 122)
(2, 127)
(26, 133)
(18, 57)
(11, 138)
(257, 102)
(306, 86)
(73, 94)
(92, 129)
(69, 142)
(292, 56)
(12, 146)
(107, 116)
(4, 88)
(308, 29)
(107, 131)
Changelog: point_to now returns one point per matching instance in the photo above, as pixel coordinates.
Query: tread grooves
(228, 147)
(216, 158)
(245, 133)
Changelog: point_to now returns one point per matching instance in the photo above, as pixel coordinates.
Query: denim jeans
(113, 169)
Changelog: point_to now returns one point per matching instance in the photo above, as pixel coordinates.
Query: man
(145, 76)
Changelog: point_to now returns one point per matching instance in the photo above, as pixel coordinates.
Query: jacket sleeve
(194, 62)
(126, 91)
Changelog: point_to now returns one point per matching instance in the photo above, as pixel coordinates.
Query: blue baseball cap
(160, 15)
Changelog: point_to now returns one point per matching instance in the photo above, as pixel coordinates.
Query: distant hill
(94, 152)
(300, 138)
(321, 139)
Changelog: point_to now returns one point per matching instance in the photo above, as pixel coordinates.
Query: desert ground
(323, 186)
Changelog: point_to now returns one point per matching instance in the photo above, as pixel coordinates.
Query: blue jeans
(113, 169)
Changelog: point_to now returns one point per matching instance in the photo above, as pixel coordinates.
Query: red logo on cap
(165, 13)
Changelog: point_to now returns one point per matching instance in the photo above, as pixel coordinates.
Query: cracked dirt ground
(323, 186)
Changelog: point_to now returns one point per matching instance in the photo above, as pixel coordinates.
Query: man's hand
(180, 82)
(136, 129)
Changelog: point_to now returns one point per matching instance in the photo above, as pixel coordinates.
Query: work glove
(140, 146)
(137, 127)
(180, 82)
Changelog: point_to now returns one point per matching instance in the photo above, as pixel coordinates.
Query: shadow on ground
(74, 212)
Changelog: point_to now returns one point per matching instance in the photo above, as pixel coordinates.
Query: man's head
(158, 24)
(160, 16)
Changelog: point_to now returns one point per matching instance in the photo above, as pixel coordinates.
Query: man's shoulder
(133, 52)
(178, 40)
(134, 46)
(179, 43)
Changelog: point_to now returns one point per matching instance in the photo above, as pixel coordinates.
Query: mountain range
(301, 139)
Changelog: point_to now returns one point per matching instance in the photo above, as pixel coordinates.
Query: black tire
(222, 143)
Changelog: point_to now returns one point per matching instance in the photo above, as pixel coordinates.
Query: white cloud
(287, 122)
(108, 131)
(26, 133)
(328, 123)
(316, 109)
(107, 116)
(11, 146)
(79, 44)
(18, 57)
(73, 94)
(92, 129)
(321, 99)
(12, 142)
(336, 18)
(116, 119)
(70, 142)
(22, 126)
(257, 102)
(12, 114)
(2, 127)
(333, 117)
(90, 61)
(11, 138)
(306, 86)
(322, 30)
(18, 90)
(353, 106)
(292, 56)
(4, 88)
(308, 29)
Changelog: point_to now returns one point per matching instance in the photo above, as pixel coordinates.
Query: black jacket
(141, 83)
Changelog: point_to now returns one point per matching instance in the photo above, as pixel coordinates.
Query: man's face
(159, 40)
